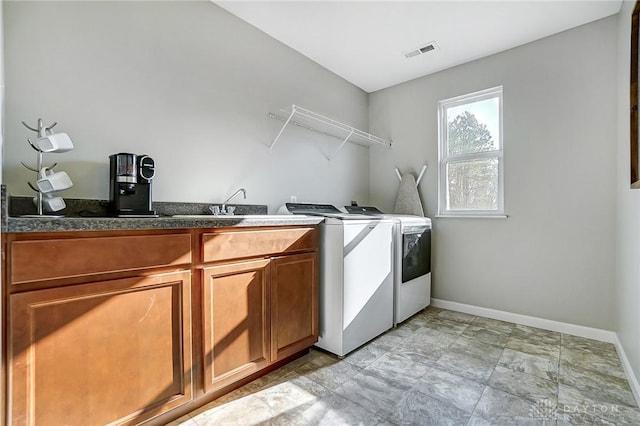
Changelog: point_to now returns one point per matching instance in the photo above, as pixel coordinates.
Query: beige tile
(395, 366)
(456, 316)
(387, 341)
(523, 385)
(504, 327)
(403, 330)
(535, 334)
(595, 347)
(597, 386)
(439, 367)
(420, 409)
(334, 410)
(576, 408)
(442, 324)
(365, 355)
(476, 347)
(458, 391)
(430, 311)
(432, 337)
(594, 360)
(375, 393)
(534, 347)
(313, 361)
(183, 421)
(288, 395)
(467, 366)
(494, 337)
(247, 410)
(503, 408)
(479, 421)
(333, 375)
(535, 365)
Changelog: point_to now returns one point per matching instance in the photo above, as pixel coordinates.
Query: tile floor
(440, 367)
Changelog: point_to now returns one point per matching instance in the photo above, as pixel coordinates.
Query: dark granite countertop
(45, 224)
(93, 215)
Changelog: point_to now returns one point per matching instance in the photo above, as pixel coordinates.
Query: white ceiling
(364, 41)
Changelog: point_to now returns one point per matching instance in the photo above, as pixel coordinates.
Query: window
(470, 176)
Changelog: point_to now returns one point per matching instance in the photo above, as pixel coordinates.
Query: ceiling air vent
(420, 50)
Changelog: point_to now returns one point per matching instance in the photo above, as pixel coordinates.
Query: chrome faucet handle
(230, 210)
(215, 210)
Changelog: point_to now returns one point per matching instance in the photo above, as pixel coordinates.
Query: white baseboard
(545, 324)
(560, 327)
(631, 377)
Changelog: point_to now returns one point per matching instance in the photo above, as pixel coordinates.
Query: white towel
(408, 200)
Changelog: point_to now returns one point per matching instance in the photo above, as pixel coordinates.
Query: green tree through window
(472, 184)
(467, 134)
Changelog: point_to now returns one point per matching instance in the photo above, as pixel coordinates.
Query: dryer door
(416, 252)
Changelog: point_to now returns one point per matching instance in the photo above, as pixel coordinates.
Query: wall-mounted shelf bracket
(318, 123)
(341, 145)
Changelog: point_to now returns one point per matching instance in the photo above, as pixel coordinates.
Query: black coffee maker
(130, 185)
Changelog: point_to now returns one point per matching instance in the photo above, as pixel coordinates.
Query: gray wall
(553, 257)
(627, 213)
(185, 82)
(191, 85)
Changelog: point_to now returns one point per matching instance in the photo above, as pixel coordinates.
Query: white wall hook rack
(318, 123)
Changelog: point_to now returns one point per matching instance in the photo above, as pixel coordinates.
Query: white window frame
(444, 159)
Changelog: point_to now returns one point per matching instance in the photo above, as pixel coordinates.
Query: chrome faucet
(223, 209)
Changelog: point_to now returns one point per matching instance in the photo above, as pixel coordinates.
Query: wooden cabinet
(98, 326)
(235, 321)
(132, 327)
(294, 304)
(256, 311)
(100, 353)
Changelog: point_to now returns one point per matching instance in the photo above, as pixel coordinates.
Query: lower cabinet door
(294, 304)
(108, 352)
(235, 321)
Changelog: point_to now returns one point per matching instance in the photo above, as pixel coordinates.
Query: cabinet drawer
(34, 260)
(225, 245)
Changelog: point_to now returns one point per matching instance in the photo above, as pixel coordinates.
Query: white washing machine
(412, 261)
(356, 277)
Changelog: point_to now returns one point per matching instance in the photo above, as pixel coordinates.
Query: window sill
(472, 216)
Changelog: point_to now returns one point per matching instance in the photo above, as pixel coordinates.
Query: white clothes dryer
(412, 261)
